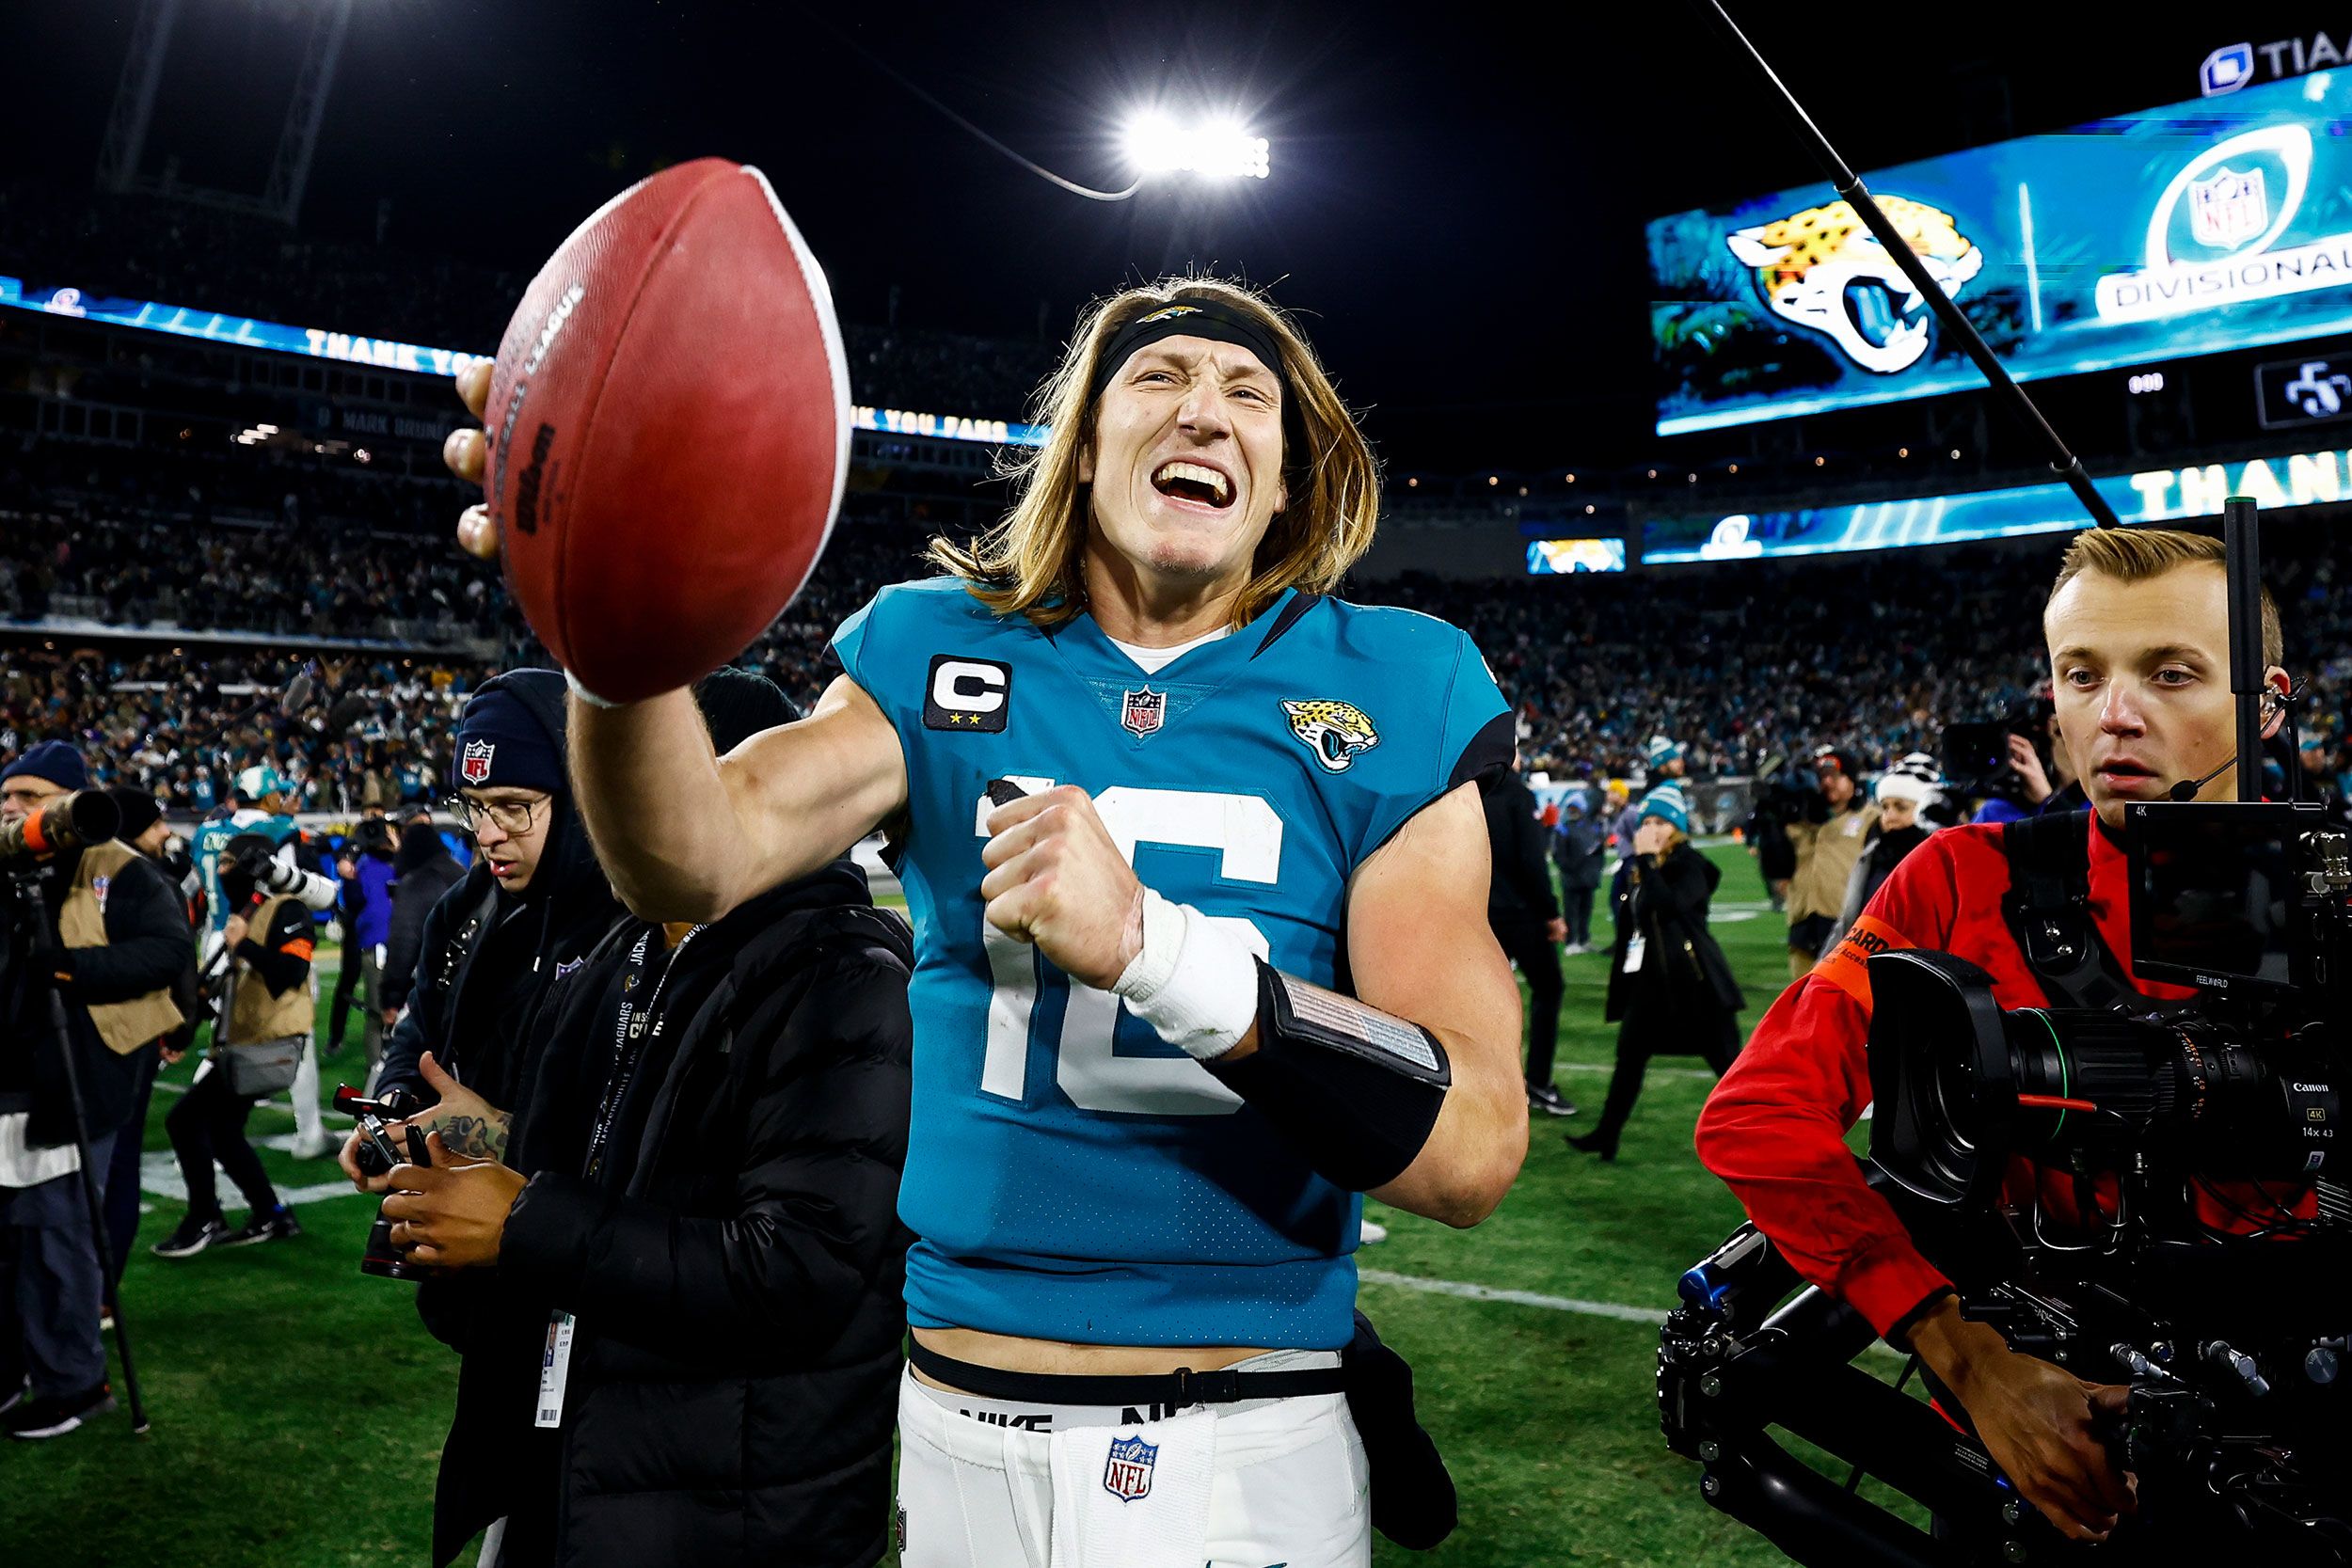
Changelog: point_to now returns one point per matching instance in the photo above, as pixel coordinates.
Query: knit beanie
(139, 811)
(501, 744)
(1666, 802)
(54, 761)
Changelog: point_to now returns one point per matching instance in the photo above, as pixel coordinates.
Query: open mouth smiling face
(1194, 423)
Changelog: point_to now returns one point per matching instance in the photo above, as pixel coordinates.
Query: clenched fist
(1056, 878)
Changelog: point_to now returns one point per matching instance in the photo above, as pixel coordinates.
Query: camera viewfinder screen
(2212, 891)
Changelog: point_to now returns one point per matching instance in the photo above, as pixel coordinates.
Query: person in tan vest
(1827, 848)
(119, 940)
(264, 1024)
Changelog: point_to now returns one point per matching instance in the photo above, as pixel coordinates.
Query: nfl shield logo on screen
(474, 766)
(2228, 210)
(1143, 711)
(1127, 1474)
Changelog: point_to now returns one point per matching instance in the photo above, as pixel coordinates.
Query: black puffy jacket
(736, 1265)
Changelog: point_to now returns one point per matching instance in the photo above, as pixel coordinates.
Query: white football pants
(1246, 1485)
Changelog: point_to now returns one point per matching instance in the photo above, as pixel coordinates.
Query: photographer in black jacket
(120, 940)
(422, 871)
(699, 1225)
(534, 902)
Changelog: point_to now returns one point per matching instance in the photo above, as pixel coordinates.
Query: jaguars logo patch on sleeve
(1337, 733)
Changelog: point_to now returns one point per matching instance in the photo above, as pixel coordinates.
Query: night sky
(1456, 197)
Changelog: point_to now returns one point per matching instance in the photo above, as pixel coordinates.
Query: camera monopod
(67, 822)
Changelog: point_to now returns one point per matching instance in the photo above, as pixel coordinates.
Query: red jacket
(1775, 1128)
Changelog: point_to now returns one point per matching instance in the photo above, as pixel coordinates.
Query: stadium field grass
(298, 1408)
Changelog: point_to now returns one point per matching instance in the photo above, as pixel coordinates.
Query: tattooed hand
(472, 1127)
(471, 1137)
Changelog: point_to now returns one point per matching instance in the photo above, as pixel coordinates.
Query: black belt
(1181, 1387)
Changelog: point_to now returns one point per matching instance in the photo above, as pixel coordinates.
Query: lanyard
(632, 1029)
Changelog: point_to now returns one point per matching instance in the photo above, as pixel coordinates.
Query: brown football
(669, 427)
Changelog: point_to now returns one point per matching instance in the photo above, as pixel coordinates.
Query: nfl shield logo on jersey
(1143, 711)
(1127, 1473)
(474, 765)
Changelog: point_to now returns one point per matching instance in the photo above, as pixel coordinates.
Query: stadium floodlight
(1219, 147)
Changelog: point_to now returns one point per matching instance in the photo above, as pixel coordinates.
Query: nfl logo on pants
(1127, 1473)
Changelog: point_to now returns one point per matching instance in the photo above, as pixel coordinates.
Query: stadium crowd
(1739, 673)
(205, 484)
(181, 723)
(273, 581)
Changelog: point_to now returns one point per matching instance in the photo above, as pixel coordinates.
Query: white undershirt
(1152, 660)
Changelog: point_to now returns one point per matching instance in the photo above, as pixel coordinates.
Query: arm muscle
(686, 835)
(1419, 946)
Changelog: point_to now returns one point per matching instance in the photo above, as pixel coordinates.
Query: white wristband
(583, 693)
(1195, 980)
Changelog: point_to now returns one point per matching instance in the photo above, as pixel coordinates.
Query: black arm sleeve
(813, 1207)
(269, 960)
(146, 940)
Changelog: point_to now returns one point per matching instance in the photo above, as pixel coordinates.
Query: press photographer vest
(124, 1027)
(254, 1012)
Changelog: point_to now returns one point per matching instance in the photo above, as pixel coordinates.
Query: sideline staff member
(712, 1141)
(534, 903)
(2137, 629)
(122, 942)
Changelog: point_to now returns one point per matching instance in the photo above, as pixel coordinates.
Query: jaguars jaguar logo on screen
(2158, 236)
(1826, 272)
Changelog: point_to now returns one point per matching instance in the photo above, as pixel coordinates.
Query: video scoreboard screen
(1564, 557)
(2215, 224)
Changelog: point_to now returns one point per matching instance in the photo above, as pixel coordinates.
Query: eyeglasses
(511, 817)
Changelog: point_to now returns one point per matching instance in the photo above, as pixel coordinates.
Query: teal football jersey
(1070, 1174)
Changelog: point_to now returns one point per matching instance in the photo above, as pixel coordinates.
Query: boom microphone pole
(1850, 188)
(2241, 538)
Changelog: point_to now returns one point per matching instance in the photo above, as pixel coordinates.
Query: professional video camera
(68, 821)
(1975, 754)
(2125, 1260)
(1784, 795)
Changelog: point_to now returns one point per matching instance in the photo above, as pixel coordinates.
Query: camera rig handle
(1724, 1377)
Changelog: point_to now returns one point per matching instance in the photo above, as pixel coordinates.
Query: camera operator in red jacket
(2138, 629)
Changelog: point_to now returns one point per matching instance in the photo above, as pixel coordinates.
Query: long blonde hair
(1028, 562)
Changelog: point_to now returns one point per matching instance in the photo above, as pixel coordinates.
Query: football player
(1198, 873)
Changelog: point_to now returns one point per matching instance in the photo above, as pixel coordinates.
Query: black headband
(1188, 318)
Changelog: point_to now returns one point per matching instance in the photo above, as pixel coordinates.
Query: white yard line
(159, 1175)
(1550, 1303)
(1517, 1298)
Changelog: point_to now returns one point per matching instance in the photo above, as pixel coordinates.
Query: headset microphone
(2187, 789)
